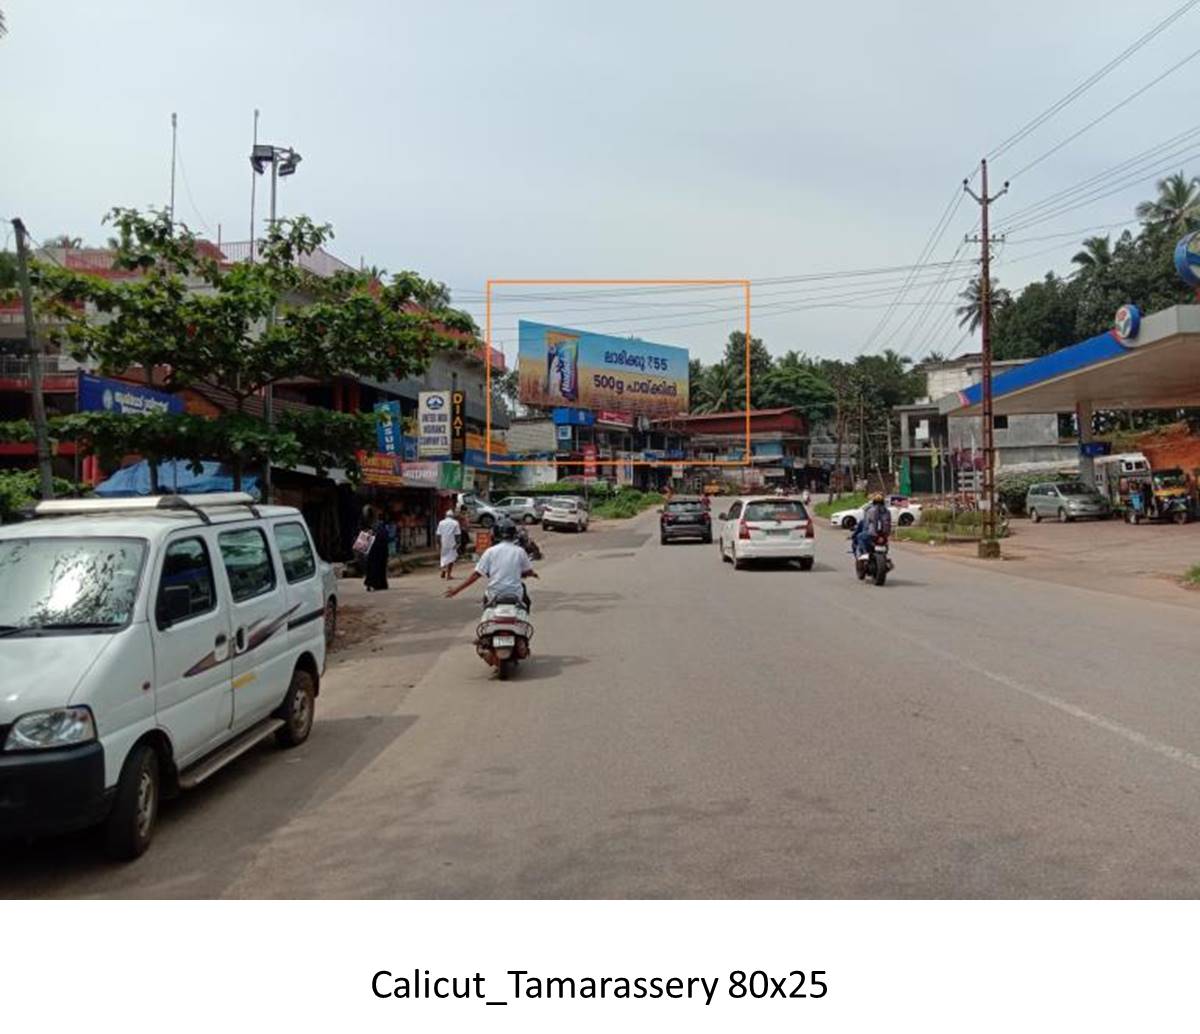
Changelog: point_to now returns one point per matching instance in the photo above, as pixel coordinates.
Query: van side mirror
(722, 516)
(174, 604)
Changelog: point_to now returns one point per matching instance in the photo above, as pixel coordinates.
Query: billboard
(100, 394)
(433, 423)
(558, 366)
(388, 436)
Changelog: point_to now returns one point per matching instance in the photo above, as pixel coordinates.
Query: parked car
(479, 512)
(684, 518)
(1065, 500)
(578, 500)
(767, 528)
(903, 514)
(565, 513)
(521, 508)
(329, 584)
(146, 644)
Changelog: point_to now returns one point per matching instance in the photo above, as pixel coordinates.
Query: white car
(767, 528)
(903, 515)
(564, 513)
(145, 644)
(329, 583)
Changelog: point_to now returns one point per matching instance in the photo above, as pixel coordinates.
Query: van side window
(292, 542)
(247, 562)
(735, 511)
(186, 563)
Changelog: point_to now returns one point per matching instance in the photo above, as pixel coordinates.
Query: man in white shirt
(505, 565)
(448, 530)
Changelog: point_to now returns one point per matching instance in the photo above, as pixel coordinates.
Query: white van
(145, 644)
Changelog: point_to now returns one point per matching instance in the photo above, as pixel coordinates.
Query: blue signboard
(1187, 259)
(1095, 448)
(388, 431)
(767, 449)
(578, 417)
(100, 394)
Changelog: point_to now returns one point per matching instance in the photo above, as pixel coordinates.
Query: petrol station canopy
(1156, 366)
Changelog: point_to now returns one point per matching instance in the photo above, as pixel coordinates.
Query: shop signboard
(589, 463)
(433, 423)
(576, 369)
(388, 429)
(422, 474)
(101, 394)
(564, 432)
(380, 469)
(458, 424)
(677, 471)
(606, 416)
(451, 476)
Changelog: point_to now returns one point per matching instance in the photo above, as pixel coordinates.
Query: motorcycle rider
(876, 520)
(505, 565)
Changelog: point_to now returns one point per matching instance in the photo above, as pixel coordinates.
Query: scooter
(875, 562)
(502, 638)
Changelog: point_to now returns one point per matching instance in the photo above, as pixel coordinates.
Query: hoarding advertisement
(574, 368)
(433, 423)
(387, 427)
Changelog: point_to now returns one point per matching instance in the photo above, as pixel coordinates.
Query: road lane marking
(1166, 750)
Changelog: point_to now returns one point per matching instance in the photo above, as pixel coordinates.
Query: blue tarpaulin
(175, 476)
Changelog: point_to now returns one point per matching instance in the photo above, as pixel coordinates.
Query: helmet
(877, 498)
(506, 531)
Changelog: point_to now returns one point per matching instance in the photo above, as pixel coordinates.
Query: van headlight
(60, 727)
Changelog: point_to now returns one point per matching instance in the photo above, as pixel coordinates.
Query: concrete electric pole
(989, 545)
(41, 432)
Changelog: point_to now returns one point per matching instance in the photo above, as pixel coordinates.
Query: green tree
(720, 389)
(1096, 254)
(186, 320)
(8, 270)
(795, 381)
(63, 240)
(1041, 318)
(760, 366)
(1177, 207)
(971, 312)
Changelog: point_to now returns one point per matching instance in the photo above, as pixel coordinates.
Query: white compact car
(767, 528)
(145, 644)
(564, 513)
(903, 515)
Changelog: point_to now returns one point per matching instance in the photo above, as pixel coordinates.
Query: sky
(468, 141)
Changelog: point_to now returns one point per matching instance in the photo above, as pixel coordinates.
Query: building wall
(532, 436)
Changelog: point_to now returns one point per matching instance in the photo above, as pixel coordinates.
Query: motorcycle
(526, 543)
(875, 562)
(503, 635)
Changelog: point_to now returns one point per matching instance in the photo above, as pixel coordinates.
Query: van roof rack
(196, 504)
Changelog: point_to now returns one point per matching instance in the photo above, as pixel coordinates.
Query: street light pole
(269, 390)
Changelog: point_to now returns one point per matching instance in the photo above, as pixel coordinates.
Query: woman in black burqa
(377, 557)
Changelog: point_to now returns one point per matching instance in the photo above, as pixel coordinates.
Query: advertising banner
(388, 430)
(578, 369)
(101, 394)
(589, 463)
(422, 474)
(451, 476)
(565, 432)
(433, 423)
(458, 424)
(380, 469)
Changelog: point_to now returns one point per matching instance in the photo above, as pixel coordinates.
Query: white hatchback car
(767, 528)
(145, 644)
(903, 515)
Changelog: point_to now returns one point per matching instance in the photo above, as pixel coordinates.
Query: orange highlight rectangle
(552, 282)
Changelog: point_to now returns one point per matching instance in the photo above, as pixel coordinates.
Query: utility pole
(989, 545)
(174, 125)
(839, 424)
(41, 432)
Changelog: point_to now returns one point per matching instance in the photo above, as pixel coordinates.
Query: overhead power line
(1091, 80)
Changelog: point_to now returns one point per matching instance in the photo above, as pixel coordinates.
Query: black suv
(685, 519)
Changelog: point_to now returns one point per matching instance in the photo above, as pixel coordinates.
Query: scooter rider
(876, 520)
(505, 565)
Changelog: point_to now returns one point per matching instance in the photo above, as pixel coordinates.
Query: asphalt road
(685, 730)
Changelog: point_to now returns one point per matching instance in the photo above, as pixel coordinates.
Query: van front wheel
(298, 708)
(130, 825)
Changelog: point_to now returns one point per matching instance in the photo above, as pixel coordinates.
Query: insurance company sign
(433, 423)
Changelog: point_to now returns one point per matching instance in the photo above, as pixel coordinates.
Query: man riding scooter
(505, 565)
(876, 520)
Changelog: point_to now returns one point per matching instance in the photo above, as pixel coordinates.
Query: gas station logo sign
(1128, 322)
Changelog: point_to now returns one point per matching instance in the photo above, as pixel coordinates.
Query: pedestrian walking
(376, 560)
(448, 533)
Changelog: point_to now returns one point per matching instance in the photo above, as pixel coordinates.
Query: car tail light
(808, 529)
(743, 530)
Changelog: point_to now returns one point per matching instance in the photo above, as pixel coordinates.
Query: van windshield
(60, 584)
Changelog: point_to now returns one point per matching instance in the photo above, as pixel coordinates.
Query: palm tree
(1177, 207)
(719, 389)
(971, 314)
(1095, 256)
